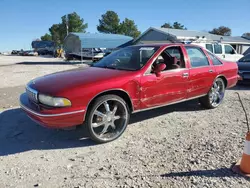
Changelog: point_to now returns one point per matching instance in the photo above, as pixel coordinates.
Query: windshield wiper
(115, 68)
(109, 67)
(105, 67)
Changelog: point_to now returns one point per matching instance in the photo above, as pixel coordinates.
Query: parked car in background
(15, 52)
(87, 54)
(244, 69)
(223, 51)
(45, 52)
(129, 80)
(30, 53)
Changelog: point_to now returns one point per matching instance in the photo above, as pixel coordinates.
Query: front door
(171, 85)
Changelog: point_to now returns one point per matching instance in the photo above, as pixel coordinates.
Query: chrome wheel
(109, 119)
(217, 93)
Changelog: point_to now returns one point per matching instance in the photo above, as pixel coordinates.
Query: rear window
(217, 49)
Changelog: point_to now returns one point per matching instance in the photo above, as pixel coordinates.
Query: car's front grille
(32, 94)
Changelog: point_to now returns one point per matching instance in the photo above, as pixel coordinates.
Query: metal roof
(101, 40)
(182, 34)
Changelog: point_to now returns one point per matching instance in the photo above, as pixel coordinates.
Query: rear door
(201, 72)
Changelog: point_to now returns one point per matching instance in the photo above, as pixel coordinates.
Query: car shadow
(192, 105)
(18, 133)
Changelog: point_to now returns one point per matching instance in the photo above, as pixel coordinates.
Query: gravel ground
(16, 71)
(180, 145)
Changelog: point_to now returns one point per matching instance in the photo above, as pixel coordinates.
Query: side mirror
(158, 68)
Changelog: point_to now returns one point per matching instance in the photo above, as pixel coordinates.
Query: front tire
(215, 96)
(108, 118)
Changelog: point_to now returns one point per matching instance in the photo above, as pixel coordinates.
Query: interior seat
(175, 63)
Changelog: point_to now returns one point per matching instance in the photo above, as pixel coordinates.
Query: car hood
(244, 66)
(55, 83)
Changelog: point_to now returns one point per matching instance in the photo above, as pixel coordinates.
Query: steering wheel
(117, 61)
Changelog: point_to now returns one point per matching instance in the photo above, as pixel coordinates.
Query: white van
(223, 51)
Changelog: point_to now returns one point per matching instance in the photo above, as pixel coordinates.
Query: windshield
(246, 58)
(129, 58)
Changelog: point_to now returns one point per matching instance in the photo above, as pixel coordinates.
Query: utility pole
(67, 24)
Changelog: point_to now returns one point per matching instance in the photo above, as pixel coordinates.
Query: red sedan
(129, 80)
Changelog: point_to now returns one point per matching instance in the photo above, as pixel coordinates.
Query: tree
(222, 30)
(55, 32)
(59, 31)
(109, 23)
(175, 25)
(46, 37)
(74, 22)
(128, 27)
(246, 35)
(167, 25)
(178, 25)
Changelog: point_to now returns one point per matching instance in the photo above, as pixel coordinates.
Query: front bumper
(51, 118)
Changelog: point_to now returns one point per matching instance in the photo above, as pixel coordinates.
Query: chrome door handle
(211, 70)
(185, 74)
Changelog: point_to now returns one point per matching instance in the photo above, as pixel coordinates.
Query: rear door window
(197, 57)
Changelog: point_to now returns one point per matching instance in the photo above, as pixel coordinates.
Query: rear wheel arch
(224, 79)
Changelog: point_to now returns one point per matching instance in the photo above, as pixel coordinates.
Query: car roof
(166, 44)
(157, 44)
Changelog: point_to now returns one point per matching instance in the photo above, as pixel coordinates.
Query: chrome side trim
(167, 104)
(49, 115)
(168, 71)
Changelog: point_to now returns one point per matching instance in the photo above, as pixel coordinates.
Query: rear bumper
(51, 119)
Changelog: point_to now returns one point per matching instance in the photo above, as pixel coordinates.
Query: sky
(25, 20)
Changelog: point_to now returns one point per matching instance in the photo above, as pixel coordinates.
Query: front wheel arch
(121, 93)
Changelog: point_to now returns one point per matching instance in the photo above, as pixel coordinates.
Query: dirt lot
(16, 71)
(181, 145)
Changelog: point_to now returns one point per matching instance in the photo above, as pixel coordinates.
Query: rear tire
(215, 96)
(107, 118)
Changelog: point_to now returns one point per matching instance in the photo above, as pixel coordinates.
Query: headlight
(53, 101)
